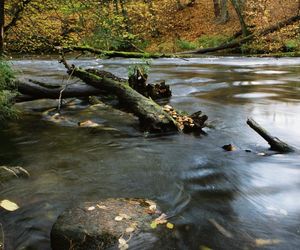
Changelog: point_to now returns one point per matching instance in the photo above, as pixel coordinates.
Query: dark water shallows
(252, 197)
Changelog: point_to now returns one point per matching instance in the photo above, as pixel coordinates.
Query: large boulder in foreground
(110, 224)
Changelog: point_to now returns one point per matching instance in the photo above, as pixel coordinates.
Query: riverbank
(160, 27)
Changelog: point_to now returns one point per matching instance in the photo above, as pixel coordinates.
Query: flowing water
(218, 199)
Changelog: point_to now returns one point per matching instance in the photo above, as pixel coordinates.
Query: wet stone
(117, 223)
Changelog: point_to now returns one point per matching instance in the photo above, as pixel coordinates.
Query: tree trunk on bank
(123, 54)
(238, 9)
(2, 22)
(217, 8)
(224, 15)
(238, 43)
(221, 11)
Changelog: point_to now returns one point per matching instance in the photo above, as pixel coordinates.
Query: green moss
(292, 45)
(8, 91)
(185, 45)
(207, 41)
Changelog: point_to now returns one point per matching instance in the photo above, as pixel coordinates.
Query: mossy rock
(105, 224)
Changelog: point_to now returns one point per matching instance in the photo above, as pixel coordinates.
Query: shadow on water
(218, 199)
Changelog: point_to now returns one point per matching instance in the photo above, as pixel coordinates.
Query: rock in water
(117, 223)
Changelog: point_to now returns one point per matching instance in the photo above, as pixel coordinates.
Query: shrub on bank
(8, 91)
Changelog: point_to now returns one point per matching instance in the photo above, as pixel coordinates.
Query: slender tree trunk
(2, 2)
(125, 15)
(224, 16)
(217, 9)
(116, 6)
(238, 9)
(221, 11)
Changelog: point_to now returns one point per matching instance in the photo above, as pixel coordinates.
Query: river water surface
(218, 199)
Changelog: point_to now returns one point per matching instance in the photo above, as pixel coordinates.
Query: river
(218, 199)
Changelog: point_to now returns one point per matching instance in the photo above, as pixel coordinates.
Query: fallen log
(111, 54)
(138, 81)
(274, 142)
(239, 42)
(152, 116)
(30, 90)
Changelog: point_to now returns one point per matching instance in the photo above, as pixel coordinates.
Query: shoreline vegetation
(151, 27)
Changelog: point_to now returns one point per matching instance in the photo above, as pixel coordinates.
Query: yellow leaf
(204, 248)
(125, 216)
(266, 242)
(170, 225)
(9, 205)
(153, 225)
(122, 241)
(101, 207)
(118, 218)
(129, 229)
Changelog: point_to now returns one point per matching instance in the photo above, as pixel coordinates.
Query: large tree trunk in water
(2, 3)
(274, 142)
(152, 116)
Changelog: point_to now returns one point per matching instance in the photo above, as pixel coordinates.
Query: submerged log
(32, 90)
(274, 142)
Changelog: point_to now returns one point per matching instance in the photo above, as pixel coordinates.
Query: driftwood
(111, 54)
(237, 43)
(274, 142)
(32, 90)
(152, 116)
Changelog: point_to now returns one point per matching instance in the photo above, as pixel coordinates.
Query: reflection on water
(253, 198)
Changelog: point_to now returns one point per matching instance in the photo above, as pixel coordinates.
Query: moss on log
(152, 116)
